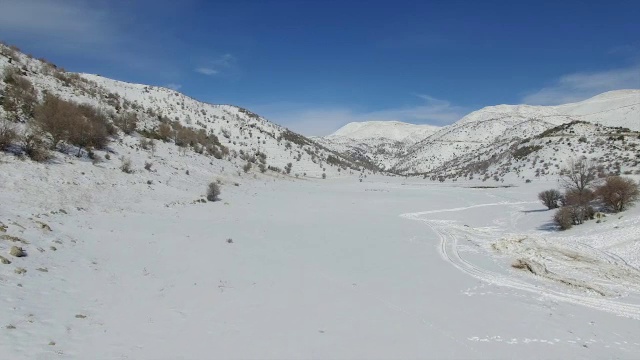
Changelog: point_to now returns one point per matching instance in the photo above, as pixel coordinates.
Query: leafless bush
(127, 122)
(8, 134)
(148, 165)
(247, 167)
(126, 166)
(145, 143)
(20, 97)
(80, 125)
(213, 191)
(563, 218)
(550, 198)
(618, 193)
(34, 146)
(164, 132)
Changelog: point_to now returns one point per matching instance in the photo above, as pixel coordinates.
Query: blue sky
(314, 65)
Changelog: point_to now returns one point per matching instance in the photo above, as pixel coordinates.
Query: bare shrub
(90, 129)
(247, 167)
(127, 122)
(164, 132)
(575, 197)
(145, 144)
(213, 191)
(126, 166)
(80, 125)
(563, 218)
(618, 193)
(20, 97)
(8, 134)
(55, 116)
(148, 165)
(550, 198)
(34, 146)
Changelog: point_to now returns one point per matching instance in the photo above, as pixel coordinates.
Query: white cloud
(223, 65)
(580, 86)
(207, 71)
(321, 121)
(75, 21)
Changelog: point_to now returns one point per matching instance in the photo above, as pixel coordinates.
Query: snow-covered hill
(379, 142)
(390, 130)
(246, 135)
(613, 150)
(504, 123)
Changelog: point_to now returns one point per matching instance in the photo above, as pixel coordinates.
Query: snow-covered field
(286, 268)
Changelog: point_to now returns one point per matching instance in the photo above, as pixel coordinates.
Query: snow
(356, 266)
(391, 130)
(336, 268)
(494, 124)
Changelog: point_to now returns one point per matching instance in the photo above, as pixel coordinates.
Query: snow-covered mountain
(379, 142)
(390, 130)
(503, 123)
(422, 149)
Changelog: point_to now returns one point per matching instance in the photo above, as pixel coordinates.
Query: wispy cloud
(76, 21)
(207, 71)
(320, 121)
(580, 86)
(223, 65)
(173, 86)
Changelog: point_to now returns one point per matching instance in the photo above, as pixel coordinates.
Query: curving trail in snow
(595, 296)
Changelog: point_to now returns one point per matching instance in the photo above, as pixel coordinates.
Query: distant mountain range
(397, 146)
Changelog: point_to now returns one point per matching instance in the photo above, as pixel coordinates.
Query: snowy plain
(384, 268)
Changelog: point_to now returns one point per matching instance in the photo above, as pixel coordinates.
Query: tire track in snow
(448, 249)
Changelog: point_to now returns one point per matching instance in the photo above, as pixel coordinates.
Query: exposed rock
(17, 251)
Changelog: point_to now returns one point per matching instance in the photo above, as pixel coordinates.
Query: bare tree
(618, 193)
(579, 175)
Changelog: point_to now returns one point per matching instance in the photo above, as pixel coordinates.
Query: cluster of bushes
(199, 140)
(20, 98)
(583, 195)
(524, 151)
(48, 123)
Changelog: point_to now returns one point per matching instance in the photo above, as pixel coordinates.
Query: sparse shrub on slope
(20, 97)
(550, 198)
(618, 193)
(522, 152)
(213, 191)
(127, 122)
(34, 146)
(126, 166)
(80, 125)
(8, 134)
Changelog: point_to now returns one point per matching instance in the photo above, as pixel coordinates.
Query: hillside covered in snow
(489, 133)
(225, 132)
(505, 123)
